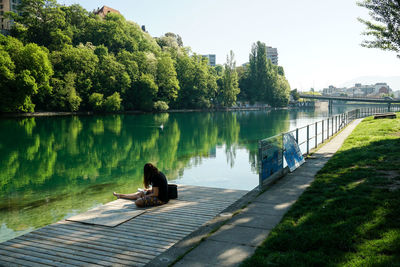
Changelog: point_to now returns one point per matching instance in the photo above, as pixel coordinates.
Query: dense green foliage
(75, 56)
(25, 71)
(385, 27)
(350, 214)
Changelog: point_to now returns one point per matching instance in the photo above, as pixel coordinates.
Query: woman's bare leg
(133, 196)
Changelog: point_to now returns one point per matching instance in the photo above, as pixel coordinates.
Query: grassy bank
(350, 216)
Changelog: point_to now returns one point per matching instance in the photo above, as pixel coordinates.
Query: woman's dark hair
(149, 171)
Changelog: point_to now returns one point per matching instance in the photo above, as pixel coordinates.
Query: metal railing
(312, 135)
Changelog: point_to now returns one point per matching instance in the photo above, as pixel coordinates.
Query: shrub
(96, 101)
(113, 102)
(160, 106)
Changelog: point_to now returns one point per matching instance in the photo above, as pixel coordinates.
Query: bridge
(354, 99)
(388, 101)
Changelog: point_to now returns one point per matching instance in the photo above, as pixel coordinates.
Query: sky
(318, 41)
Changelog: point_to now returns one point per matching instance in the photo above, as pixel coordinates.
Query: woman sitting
(157, 195)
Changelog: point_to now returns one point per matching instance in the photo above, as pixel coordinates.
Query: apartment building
(211, 59)
(7, 6)
(272, 54)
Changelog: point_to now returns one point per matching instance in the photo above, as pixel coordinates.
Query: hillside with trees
(64, 58)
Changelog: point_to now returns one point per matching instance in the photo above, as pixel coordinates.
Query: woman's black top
(159, 180)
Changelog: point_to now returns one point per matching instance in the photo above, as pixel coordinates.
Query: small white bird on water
(162, 126)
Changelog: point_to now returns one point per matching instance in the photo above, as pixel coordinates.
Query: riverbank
(349, 215)
(133, 112)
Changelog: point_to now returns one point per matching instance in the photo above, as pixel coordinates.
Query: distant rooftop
(102, 12)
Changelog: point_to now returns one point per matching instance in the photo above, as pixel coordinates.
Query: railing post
(260, 166)
(332, 126)
(327, 129)
(316, 134)
(297, 135)
(335, 124)
(322, 140)
(308, 138)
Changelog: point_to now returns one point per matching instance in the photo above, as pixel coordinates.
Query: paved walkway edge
(228, 240)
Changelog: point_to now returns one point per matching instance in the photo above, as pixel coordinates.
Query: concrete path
(239, 237)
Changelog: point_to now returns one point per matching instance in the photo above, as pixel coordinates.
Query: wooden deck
(133, 243)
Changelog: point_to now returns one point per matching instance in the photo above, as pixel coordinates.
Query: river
(54, 167)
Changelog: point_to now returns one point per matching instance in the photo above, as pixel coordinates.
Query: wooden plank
(112, 234)
(210, 204)
(188, 206)
(173, 233)
(95, 250)
(10, 261)
(182, 214)
(118, 232)
(175, 220)
(209, 195)
(77, 254)
(94, 241)
(194, 209)
(175, 224)
(104, 238)
(128, 250)
(27, 255)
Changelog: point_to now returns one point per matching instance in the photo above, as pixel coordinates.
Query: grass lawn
(350, 215)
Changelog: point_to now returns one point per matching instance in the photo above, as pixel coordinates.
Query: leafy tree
(76, 19)
(80, 60)
(261, 80)
(197, 82)
(64, 96)
(144, 92)
(385, 24)
(295, 94)
(42, 22)
(111, 76)
(176, 37)
(161, 106)
(260, 86)
(96, 101)
(113, 102)
(281, 93)
(230, 84)
(170, 40)
(26, 71)
(168, 84)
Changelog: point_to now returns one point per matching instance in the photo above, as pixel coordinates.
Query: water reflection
(52, 168)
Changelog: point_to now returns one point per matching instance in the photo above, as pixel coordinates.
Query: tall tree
(385, 24)
(168, 84)
(260, 84)
(230, 83)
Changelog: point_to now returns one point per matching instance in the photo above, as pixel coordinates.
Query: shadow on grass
(349, 216)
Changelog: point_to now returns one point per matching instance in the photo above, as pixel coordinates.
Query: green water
(55, 167)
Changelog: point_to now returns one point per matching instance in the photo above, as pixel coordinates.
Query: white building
(212, 59)
(272, 54)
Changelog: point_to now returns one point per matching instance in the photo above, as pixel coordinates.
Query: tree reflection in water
(52, 168)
